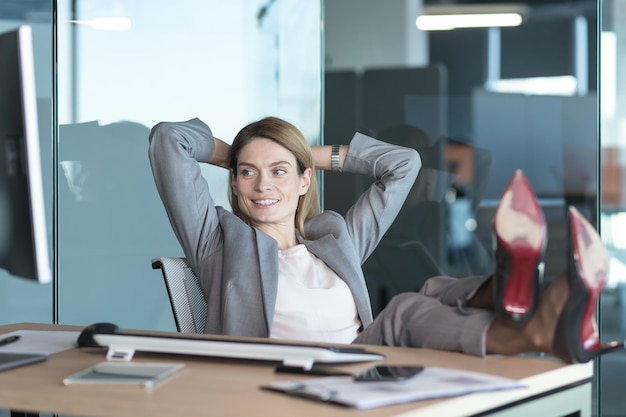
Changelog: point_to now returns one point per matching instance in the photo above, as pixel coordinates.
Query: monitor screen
(23, 232)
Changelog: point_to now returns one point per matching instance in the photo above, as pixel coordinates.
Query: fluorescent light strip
(456, 21)
(106, 23)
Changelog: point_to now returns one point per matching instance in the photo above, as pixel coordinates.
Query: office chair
(188, 303)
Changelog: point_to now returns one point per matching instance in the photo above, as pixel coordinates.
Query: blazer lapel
(268, 254)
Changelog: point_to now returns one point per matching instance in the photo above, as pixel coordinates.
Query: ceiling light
(106, 23)
(452, 21)
(450, 17)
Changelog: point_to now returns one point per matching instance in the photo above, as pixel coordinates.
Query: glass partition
(613, 199)
(123, 67)
(478, 103)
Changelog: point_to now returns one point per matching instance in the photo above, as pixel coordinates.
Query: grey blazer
(237, 265)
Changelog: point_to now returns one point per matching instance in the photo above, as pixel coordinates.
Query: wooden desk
(218, 387)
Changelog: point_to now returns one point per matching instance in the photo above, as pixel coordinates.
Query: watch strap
(334, 158)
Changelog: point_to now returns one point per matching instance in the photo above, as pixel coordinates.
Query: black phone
(389, 373)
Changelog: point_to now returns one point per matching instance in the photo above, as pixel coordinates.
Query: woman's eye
(279, 171)
(246, 172)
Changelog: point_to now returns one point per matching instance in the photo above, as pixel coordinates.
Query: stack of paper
(432, 383)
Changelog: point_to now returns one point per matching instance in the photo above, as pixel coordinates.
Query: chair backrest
(186, 298)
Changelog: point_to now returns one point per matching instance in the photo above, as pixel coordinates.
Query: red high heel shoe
(576, 338)
(520, 242)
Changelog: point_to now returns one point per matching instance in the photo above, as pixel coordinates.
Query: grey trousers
(436, 317)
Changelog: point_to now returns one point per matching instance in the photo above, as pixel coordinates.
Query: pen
(8, 340)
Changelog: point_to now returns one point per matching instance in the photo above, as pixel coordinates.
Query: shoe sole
(520, 240)
(576, 337)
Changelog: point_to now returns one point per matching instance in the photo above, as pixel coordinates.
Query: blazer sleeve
(175, 151)
(395, 169)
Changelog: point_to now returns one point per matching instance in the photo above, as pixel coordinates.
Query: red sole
(520, 228)
(592, 262)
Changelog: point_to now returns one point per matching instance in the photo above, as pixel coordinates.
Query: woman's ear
(305, 181)
(233, 183)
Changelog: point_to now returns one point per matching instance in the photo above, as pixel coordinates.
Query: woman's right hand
(220, 155)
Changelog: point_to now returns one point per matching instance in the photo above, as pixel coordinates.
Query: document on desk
(431, 383)
(40, 341)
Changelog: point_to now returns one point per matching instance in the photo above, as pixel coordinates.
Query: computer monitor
(24, 249)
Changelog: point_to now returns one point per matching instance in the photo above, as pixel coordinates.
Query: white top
(313, 303)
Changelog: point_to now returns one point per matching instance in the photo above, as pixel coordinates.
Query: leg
(471, 291)
(416, 320)
(564, 323)
(538, 334)
(513, 288)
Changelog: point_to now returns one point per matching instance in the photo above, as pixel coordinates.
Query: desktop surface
(230, 387)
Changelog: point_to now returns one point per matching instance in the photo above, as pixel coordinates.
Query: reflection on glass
(125, 66)
(524, 97)
(477, 108)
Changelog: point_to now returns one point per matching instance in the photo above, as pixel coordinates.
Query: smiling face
(267, 184)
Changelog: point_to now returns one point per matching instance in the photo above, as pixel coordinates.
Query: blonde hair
(289, 137)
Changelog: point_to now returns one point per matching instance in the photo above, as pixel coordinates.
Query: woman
(276, 267)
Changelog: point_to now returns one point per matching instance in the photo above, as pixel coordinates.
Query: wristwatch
(334, 158)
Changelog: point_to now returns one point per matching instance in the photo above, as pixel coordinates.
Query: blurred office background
(478, 103)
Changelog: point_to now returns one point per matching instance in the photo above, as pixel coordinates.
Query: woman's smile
(265, 202)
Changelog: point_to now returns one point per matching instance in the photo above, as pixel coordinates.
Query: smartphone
(389, 373)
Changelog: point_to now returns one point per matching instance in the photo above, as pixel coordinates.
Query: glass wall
(613, 202)
(123, 66)
(478, 103)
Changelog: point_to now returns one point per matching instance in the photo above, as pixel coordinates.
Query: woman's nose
(263, 183)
